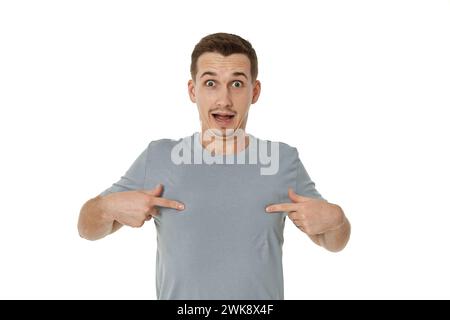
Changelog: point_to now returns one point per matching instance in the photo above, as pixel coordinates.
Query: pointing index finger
(281, 207)
(167, 203)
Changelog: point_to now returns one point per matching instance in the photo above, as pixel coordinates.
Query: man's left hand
(312, 216)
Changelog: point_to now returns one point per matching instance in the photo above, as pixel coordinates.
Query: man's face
(223, 90)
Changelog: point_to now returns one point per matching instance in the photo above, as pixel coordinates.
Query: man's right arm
(94, 221)
(103, 215)
(118, 205)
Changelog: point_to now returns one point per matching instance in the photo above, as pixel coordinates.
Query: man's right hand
(133, 208)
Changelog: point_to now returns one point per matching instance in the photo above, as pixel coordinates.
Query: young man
(219, 199)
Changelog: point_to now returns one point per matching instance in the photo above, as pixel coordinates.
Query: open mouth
(223, 119)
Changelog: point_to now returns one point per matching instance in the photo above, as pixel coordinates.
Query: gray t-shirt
(223, 245)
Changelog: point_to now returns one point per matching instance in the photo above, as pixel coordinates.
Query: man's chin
(225, 133)
(220, 132)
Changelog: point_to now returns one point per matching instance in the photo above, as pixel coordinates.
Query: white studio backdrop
(361, 88)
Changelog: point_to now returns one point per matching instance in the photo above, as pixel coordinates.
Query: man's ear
(191, 90)
(256, 91)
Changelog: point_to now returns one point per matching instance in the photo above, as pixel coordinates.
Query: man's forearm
(93, 223)
(335, 239)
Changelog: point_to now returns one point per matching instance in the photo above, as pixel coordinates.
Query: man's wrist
(339, 217)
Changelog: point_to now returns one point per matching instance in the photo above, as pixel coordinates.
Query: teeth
(223, 114)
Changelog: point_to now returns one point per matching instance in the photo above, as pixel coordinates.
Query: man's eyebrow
(210, 73)
(240, 74)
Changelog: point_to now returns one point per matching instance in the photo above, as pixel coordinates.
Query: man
(219, 211)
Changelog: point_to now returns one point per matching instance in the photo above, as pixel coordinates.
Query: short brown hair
(225, 44)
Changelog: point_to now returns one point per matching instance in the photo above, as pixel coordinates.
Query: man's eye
(209, 83)
(237, 84)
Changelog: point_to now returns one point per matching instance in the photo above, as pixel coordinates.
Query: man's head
(224, 69)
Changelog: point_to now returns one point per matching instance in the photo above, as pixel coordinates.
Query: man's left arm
(336, 238)
(325, 223)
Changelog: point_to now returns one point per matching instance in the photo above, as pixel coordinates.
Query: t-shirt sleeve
(305, 186)
(134, 178)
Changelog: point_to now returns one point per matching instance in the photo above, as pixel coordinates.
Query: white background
(361, 88)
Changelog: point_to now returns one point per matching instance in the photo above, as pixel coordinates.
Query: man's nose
(223, 97)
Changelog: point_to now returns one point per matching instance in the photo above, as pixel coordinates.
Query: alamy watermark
(258, 151)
